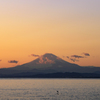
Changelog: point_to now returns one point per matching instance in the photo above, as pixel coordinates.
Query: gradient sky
(61, 27)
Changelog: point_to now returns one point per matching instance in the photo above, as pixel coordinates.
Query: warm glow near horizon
(61, 27)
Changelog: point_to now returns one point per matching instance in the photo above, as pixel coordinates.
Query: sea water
(49, 89)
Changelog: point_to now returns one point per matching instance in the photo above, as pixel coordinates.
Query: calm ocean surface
(46, 89)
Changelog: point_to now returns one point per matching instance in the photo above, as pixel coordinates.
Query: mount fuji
(46, 64)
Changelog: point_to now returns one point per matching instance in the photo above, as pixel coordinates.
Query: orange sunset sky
(61, 27)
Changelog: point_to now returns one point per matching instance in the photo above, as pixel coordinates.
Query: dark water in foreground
(46, 89)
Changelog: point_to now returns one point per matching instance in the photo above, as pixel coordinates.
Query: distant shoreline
(55, 75)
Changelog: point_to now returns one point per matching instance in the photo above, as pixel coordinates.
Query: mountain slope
(47, 63)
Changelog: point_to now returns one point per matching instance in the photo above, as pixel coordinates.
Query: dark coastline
(55, 75)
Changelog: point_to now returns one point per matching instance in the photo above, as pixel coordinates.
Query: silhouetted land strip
(55, 75)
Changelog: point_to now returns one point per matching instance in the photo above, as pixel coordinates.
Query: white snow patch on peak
(45, 60)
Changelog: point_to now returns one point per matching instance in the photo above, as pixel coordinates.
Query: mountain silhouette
(46, 64)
